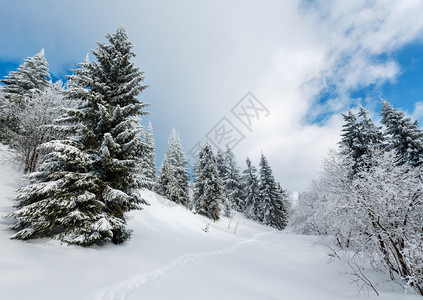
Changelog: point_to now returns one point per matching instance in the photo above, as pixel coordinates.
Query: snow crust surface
(173, 254)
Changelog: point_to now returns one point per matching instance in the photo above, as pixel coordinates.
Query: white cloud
(418, 111)
(355, 39)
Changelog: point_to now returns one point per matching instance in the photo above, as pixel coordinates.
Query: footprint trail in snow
(121, 290)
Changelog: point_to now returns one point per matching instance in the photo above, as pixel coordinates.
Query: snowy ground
(170, 256)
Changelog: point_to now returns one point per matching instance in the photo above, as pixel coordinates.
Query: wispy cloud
(344, 46)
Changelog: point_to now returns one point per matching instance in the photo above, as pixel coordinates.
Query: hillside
(171, 255)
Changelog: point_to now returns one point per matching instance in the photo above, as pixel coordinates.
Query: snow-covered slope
(171, 255)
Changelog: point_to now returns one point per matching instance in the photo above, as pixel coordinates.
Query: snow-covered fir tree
(349, 134)
(252, 192)
(272, 211)
(31, 78)
(372, 135)
(174, 169)
(167, 184)
(148, 166)
(221, 163)
(207, 184)
(226, 203)
(232, 182)
(116, 85)
(287, 204)
(88, 180)
(403, 135)
(179, 163)
(359, 136)
(165, 179)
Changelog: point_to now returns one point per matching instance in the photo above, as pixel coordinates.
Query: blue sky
(305, 61)
(403, 91)
(408, 87)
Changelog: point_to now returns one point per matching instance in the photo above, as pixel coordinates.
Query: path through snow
(121, 290)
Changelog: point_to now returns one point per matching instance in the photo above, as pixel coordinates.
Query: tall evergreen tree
(232, 182)
(252, 192)
(88, 180)
(162, 178)
(372, 135)
(222, 168)
(272, 211)
(166, 182)
(349, 135)
(360, 136)
(286, 204)
(227, 201)
(207, 186)
(176, 161)
(404, 136)
(116, 84)
(148, 167)
(221, 163)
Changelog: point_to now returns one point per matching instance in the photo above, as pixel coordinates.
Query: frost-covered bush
(379, 211)
(369, 197)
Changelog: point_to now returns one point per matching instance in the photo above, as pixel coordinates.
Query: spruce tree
(226, 202)
(360, 136)
(148, 167)
(272, 211)
(372, 135)
(31, 78)
(164, 178)
(404, 136)
(232, 182)
(286, 204)
(176, 161)
(349, 135)
(221, 163)
(207, 184)
(252, 193)
(89, 179)
(173, 191)
(116, 86)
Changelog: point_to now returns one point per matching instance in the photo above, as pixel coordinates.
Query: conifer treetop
(31, 77)
(403, 135)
